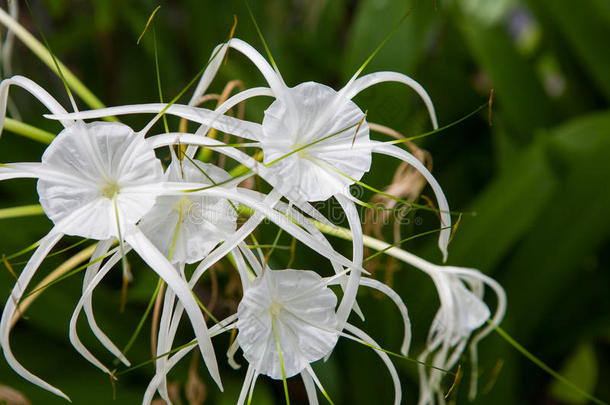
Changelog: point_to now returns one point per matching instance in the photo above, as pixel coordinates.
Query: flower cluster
(103, 181)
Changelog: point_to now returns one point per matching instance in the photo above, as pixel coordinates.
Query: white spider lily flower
(282, 136)
(95, 181)
(97, 168)
(235, 245)
(287, 320)
(315, 142)
(186, 228)
(311, 132)
(320, 128)
(462, 311)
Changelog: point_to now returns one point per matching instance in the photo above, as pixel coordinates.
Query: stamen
(276, 308)
(110, 189)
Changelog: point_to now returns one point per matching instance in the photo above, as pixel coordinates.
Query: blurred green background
(537, 179)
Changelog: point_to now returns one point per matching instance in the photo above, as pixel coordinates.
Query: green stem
(543, 366)
(28, 131)
(24, 211)
(279, 352)
(151, 302)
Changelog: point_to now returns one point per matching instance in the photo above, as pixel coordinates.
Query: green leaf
(572, 227)
(519, 94)
(403, 51)
(505, 210)
(488, 12)
(581, 369)
(584, 24)
(23, 211)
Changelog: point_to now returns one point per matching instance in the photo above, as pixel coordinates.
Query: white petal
(100, 250)
(164, 342)
(19, 170)
(34, 89)
(272, 76)
(310, 388)
(39, 171)
(379, 77)
(226, 106)
(351, 287)
(174, 138)
(231, 355)
(473, 311)
(160, 265)
(204, 116)
(443, 206)
(216, 58)
(46, 244)
(370, 282)
(246, 385)
(242, 268)
(85, 297)
(222, 326)
(310, 210)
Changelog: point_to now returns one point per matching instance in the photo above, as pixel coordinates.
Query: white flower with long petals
(90, 178)
(308, 168)
(315, 142)
(461, 313)
(96, 181)
(287, 320)
(188, 227)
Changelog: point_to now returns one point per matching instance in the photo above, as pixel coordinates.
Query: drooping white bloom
(462, 311)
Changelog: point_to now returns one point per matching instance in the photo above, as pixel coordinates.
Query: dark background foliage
(537, 179)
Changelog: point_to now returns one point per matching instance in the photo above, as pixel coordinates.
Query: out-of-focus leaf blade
(571, 227)
(586, 25)
(505, 210)
(581, 369)
(519, 94)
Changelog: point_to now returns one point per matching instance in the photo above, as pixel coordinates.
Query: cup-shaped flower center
(292, 309)
(315, 148)
(190, 226)
(110, 189)
(276, 308)
(96, 170)
(183, 205)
